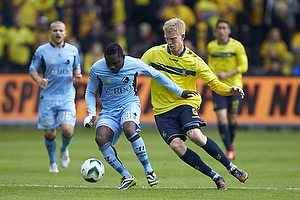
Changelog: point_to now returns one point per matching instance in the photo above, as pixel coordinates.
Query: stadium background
(271, 101)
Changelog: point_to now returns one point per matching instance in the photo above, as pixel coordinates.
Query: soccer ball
(92, 170)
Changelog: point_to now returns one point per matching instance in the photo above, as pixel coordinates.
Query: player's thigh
(111, 119)
(103, 135)
(47, 115)
(132, 113)
(234, 104)
(221, 116)
(233, 108)
(170, 126)
(189, 118)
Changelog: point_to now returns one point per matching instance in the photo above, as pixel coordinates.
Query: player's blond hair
(174, 24)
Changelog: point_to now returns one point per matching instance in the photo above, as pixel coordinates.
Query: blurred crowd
(269, 29)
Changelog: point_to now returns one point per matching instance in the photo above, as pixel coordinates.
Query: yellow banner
(269, 100)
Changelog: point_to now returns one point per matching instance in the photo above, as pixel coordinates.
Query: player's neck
(58, 45)
(179, 51)
(223, 41)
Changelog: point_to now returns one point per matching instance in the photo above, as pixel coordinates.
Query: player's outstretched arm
(187, 94)
(237, 91)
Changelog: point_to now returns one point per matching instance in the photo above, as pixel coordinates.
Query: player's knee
(68, 134)
(67, 130)
(101, 140)
(50, 134)
(128, 133)
(178, 146)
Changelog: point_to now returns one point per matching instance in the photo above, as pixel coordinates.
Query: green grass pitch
(272, 159)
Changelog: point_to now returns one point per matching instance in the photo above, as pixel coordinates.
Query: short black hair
(223, 20)
(113, 48)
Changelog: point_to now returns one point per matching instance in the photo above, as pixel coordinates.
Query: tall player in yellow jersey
(177, 118)
(228, 60)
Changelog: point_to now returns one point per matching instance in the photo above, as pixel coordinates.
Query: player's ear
(182, 36)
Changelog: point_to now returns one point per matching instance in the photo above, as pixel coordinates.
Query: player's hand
(237, 91)
(187, 94)
(89, 121)
(43, 83)
(78, 77)
(222, 75)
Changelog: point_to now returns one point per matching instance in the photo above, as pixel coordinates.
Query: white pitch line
(84, 186)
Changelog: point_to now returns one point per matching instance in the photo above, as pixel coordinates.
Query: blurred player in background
(177, 118)
(228, 60)
(59, 62)
(115, 75)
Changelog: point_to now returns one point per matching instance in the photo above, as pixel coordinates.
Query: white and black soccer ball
(92, 170)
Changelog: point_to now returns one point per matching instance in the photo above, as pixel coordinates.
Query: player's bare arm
(77, 75)
(43, 82)
(223, 75)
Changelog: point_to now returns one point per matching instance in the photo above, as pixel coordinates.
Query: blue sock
(214, 151)
(110, 155)
(228, 167)
(65, 143)
(232, 129)
(194, 160)
(225, 135)
(51, 148)
(139, 149)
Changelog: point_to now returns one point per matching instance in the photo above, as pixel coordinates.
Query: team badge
(183, 73)
(125, 80)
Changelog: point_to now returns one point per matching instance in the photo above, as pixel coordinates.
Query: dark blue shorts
(231, 103)
(176, 122)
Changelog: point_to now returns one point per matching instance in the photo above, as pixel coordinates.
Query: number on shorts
(67, 116)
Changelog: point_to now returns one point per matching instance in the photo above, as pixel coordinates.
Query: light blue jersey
(57, 65)
(118, 89)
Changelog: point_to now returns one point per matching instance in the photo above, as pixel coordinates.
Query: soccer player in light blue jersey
(115, 76)
(59, 62)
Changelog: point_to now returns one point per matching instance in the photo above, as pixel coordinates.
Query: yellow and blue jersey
(184, 70)
(226, 58)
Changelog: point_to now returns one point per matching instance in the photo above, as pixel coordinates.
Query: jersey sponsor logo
(223, 54)
(120, 90)
(60, 72)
